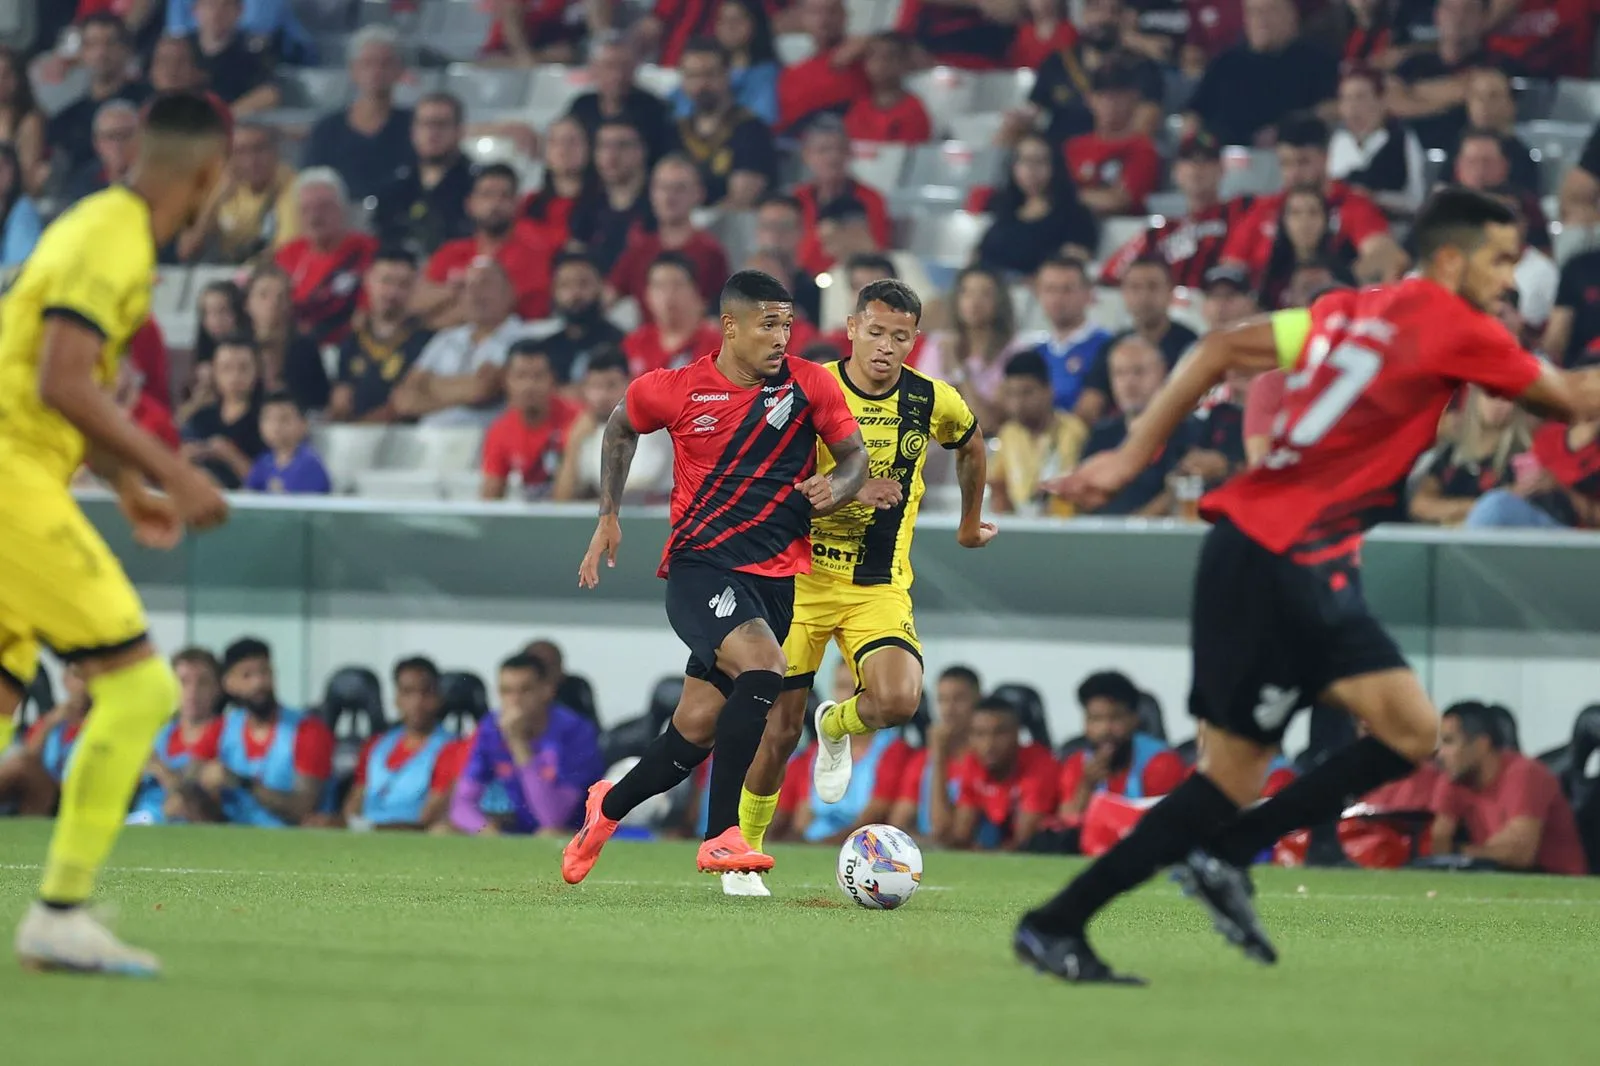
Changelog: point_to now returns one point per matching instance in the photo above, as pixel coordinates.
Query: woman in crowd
(1036, 214)
(1491, 434)
(224, 437)
(1304, 240)
(290, 360)
(1372, 150)
(743, 28)
(21, 121)
(972, 353)
(221, 313)
(20, 224)
(567, 177)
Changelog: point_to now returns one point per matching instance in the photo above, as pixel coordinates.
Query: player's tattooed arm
(617, 446)
(847, 476)
(972, 471)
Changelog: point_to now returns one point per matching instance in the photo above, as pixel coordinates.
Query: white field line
(1320, 897)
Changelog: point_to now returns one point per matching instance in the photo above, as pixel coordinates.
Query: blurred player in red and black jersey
(1193, 244)
(1115, 166)
(829, 81)
(956, 34)
(1279, 618)
(744, 421)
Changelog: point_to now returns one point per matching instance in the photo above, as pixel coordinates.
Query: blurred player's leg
(666, 763)
(758, 800)
(134, 692)
(891, 689)
(753, 656)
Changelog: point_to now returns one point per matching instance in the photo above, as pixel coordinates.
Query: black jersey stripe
(881, 540)
(741, 442)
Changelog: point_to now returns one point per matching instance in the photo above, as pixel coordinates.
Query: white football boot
(76, 941)
(744, 884)
(830, 774)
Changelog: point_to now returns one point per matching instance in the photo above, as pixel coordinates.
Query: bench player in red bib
(744, 422)
(1279, 619)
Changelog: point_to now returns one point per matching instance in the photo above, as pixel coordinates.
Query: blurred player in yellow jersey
(859, 590)
(64, 325)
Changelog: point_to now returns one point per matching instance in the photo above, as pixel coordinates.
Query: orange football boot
(730, 854)
(583, 850)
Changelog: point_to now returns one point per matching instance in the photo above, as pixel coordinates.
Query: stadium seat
(867, 17)
(433, 449)
(1119, 230)
(944, 91)
(321, 88)
(1171, 204)
(946, 173)
(630, 738)
(1583, 782)
(1250, 172)
(454, 31)
(578, 694)
(1150, 718)
(977, 127)
(949, 238)
(347, 451)
(878, 165)
(662, 81)
(551, 92)
(462, 485)
(1505, 724)
(624, 314)
(463, 701)
(1030, 709)
(793, 48)
(418, 485)
(171, 307)
(1576, 100)
(414, 85)
(1556, 146)
(485, 89)
(1002, 90)
(352, 708)
(1107, 310)
(53, 96)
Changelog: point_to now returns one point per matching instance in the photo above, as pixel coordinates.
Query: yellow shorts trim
(60, 585)
(861, 619)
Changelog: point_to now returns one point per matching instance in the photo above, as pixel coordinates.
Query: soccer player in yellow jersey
(64, 325)
(859, 590)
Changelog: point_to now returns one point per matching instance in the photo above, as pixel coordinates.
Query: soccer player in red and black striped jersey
(1279, 618)
(744, 422)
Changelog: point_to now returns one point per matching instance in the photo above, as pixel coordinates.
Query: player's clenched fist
(607, 537)
(818, 488)
(196, 498)
(881, 493)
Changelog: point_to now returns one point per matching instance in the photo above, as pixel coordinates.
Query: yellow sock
(843, 720)
(755, 815)
(130, 706)
(8, 726)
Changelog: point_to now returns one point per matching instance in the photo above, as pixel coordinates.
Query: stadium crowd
(975, 770)
(434, 249)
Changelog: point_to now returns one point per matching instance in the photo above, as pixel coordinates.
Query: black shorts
(1270, 634)
(706, 602)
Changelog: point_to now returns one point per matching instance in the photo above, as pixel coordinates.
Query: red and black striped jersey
(1191, 245)
(737, 454)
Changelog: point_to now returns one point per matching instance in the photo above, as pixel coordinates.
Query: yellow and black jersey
(94, 265)
(859, 543)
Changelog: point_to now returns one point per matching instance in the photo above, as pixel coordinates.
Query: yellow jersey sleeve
(101, 283)
(953, 421)
(1290, 329)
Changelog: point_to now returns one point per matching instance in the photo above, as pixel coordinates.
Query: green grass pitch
(348, 950)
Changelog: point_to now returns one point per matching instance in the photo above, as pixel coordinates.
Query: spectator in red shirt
(928, 785)
(825, 154)
(675, 192)
(886, 113)
(831, 79)
(1115, 166)
(516, 245)
(527, 32)
(245, 772)
(1305, 239)
(1547, 38)
(387, 788)
(677, 332)
(567, 179)
(1007, 790)
(1509, 807)
(1118, 758)
(522, 450)
(1303, 160)
(1046, 31)
(326, 262)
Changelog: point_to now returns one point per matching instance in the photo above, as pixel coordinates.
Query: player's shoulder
(114, 221)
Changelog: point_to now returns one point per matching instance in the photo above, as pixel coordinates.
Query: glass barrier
(332, 581)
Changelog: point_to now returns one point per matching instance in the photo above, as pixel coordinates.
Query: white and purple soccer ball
(880, 867)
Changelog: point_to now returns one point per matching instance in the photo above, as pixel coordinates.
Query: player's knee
(1413, 737)
(145, 690)
(897, 702)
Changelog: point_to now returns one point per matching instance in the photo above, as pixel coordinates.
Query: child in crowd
(290, 464)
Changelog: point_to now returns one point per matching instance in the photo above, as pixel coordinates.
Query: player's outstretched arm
(1565, 395)
(617, 446)
(67, 362)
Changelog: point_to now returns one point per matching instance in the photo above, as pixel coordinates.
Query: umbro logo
(705, 423)
(723, 603)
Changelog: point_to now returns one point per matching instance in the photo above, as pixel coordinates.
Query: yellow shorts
(60, 586)
(861, 619)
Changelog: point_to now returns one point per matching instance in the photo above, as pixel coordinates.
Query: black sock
(666, 762)
(739, 729)
(1186, 818)
(1321, 793)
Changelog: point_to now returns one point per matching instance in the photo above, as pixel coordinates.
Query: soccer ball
(880, 867)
